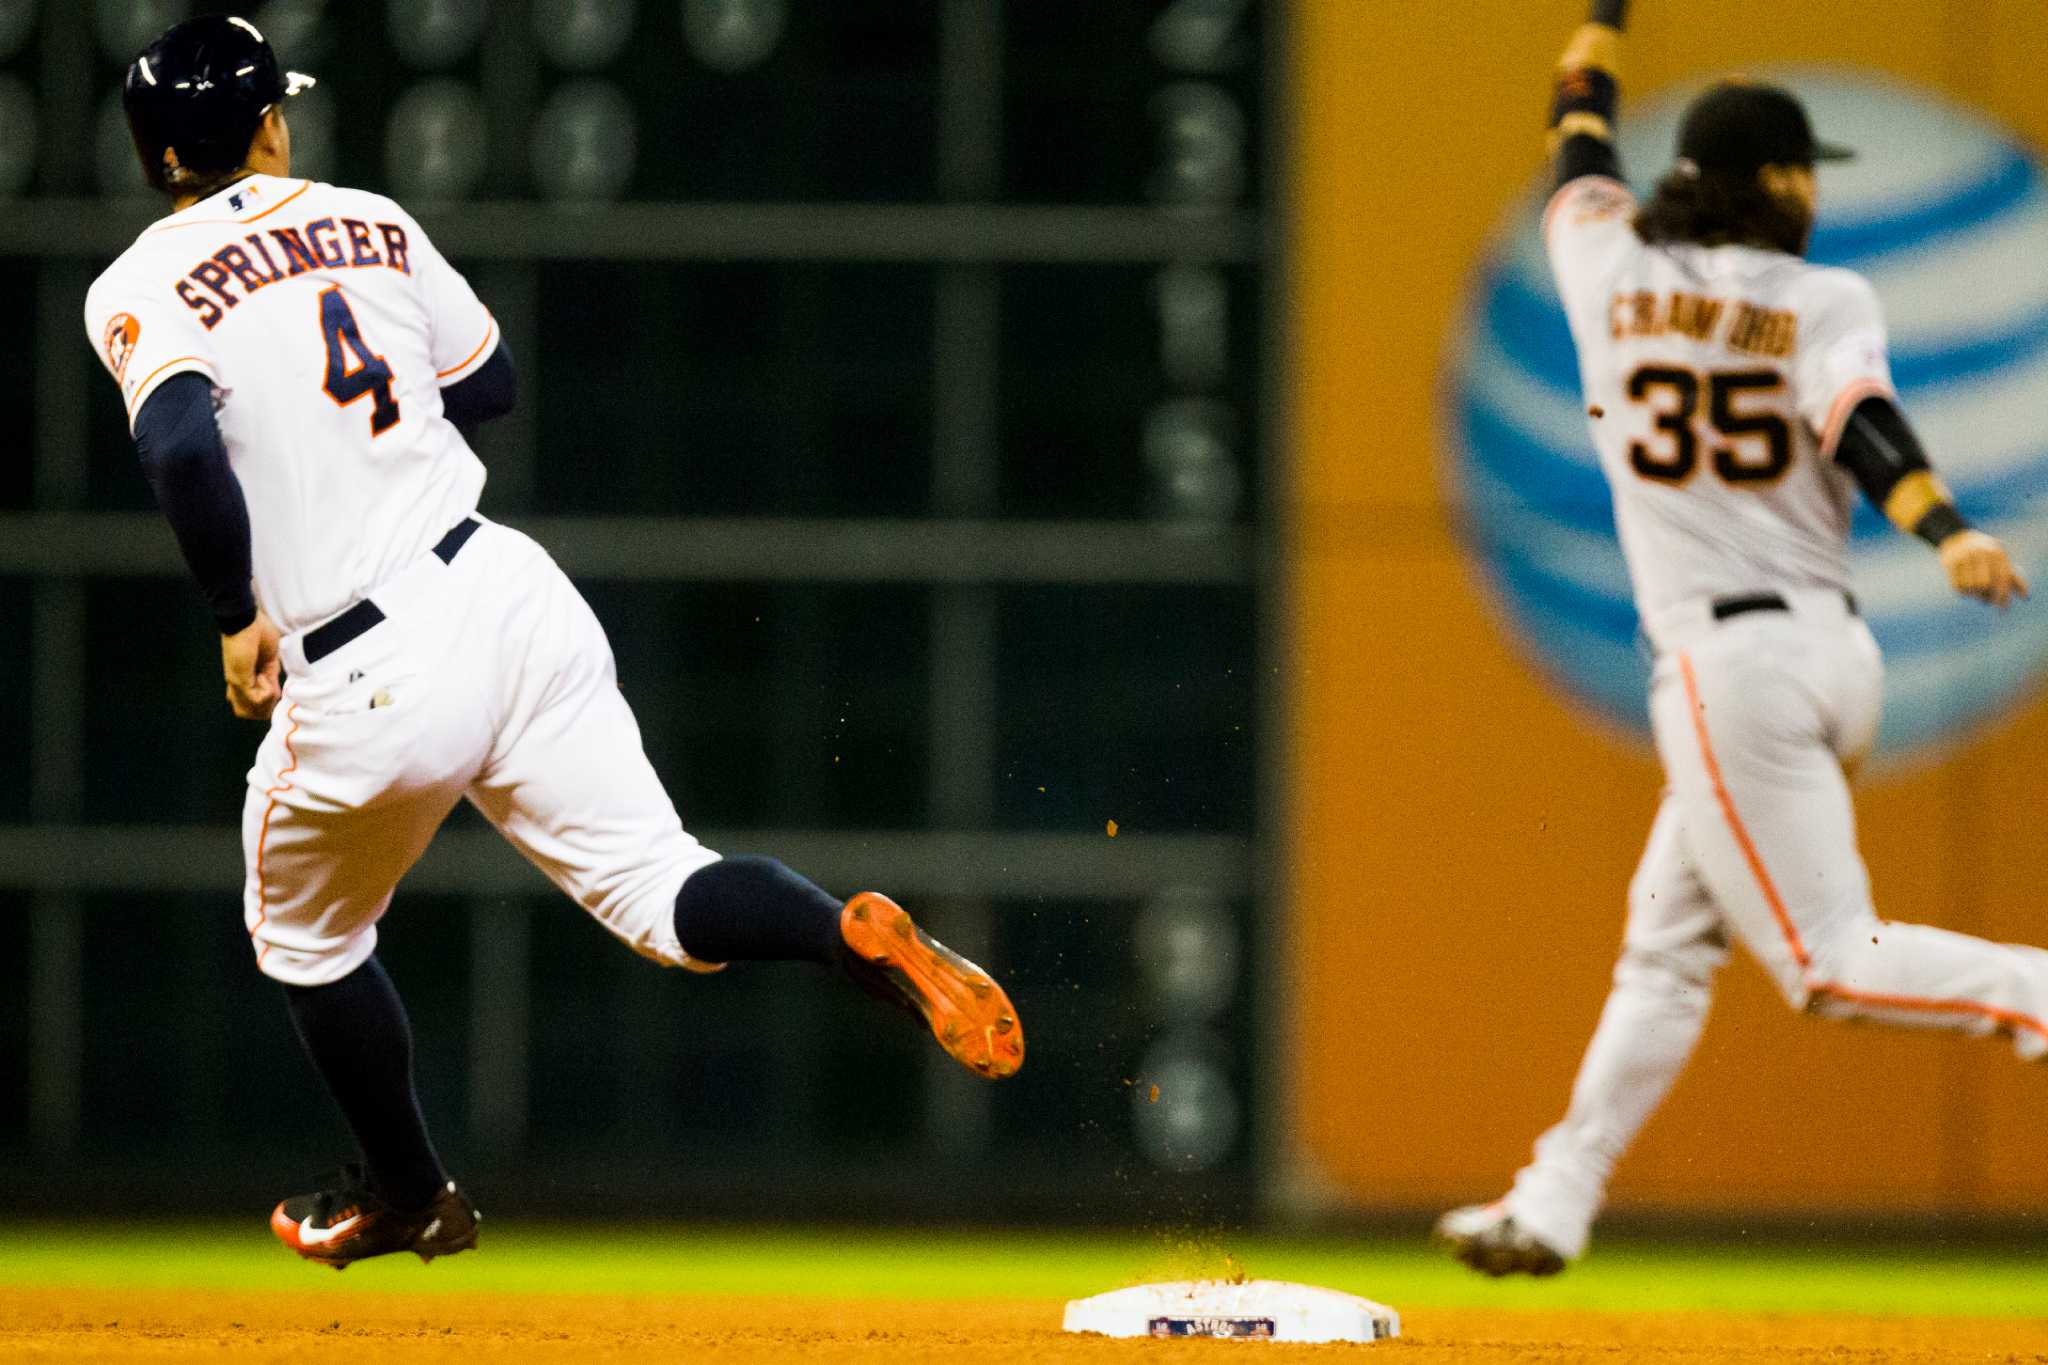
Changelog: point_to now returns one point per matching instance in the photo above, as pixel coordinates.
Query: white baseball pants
(488, 678)
(1756, 718)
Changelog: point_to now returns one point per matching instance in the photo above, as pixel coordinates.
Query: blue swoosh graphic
(1968, 359)
(1609, 618)
(1609, 675)
(1593, 656)
(1965, 702)
(1496, 527)
(2005, 186)
(1938, 630)
(1559, 490)
(1536, 516)
(1853, 241)
(1531, 330)
(1943, 628)
(1573, 494)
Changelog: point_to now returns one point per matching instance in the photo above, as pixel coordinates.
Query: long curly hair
(1709, 209)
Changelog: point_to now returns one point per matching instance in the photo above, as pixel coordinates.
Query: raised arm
(1588, 97)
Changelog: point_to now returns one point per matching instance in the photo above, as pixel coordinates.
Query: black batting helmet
(200, 90)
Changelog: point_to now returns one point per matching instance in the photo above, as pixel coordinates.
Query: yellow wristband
(1596, 46)
(1912, 498)
(1580, 123)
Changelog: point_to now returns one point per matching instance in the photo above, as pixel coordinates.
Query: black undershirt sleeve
(487, 393)
(1585, 96)
(1586, 102)
(1584, 155)
(1880, 451)
(179, 445)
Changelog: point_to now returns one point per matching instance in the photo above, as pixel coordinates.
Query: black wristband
(1941, 521)
(1613, 13)
(1586, 90)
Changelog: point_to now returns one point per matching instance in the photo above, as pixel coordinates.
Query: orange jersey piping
(263, 831)
(1845, 403)
(143, 387)
(490, 331)
(304, 185)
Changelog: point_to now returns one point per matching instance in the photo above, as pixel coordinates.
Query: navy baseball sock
(356, 1032)
(749, 909)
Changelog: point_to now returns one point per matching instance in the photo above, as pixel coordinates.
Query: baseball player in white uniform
(1739, 398)
(300, 367)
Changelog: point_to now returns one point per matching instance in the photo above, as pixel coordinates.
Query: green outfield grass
(532, 1258)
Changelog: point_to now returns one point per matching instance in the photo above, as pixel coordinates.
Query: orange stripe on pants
(1727, 802)
(2004, 1019)
(263, 831)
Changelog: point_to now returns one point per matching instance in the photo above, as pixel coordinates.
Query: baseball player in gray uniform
(301, 371)
(1740, 397)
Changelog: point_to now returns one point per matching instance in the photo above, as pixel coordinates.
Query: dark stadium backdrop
(896, 383)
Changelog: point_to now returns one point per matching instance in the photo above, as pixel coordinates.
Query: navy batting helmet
(201, 90)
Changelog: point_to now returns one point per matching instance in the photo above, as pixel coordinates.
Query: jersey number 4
(352, 368)
(1756, 444)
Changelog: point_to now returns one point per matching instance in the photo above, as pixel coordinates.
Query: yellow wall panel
(1461, 837)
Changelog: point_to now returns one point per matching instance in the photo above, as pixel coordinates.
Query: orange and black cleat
(897, 961)
(351, 1223)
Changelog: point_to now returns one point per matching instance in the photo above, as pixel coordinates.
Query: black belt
(364, 615)
(1725, 607)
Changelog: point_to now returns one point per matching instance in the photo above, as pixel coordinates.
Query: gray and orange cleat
(1487, 1238)
(351, 1223)
(895, 960)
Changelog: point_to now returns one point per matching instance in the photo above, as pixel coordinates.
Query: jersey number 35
(1750, 445)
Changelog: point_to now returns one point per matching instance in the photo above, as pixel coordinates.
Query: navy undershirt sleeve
(488, 392)
(186, 464)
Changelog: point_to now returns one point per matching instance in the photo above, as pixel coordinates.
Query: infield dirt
(122, 1325)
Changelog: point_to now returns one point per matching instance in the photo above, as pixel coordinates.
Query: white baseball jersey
(1717, 380)
(328, 324)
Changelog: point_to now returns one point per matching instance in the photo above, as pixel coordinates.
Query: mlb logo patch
(122, 332)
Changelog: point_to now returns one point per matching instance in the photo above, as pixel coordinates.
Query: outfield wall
(1461, 834)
